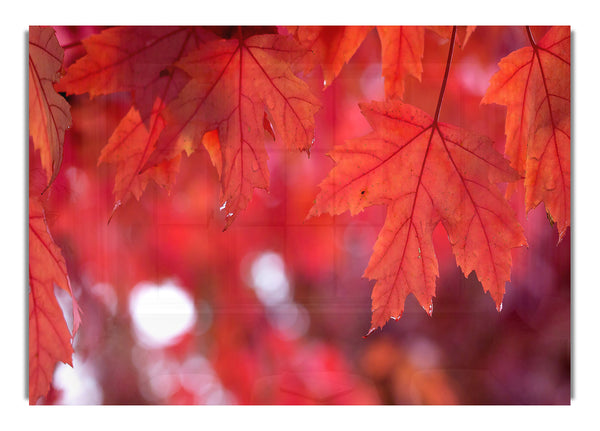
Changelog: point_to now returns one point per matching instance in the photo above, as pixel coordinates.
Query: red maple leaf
(401, 54)
(49, 112)
(49, 336)
(239, 78)
(129, 147)
(235, 82)
(329, 46)
(126, 59)
(332, 46)
(424, 172)
(534, 83)
(463, 33)
(139, 60)
(401, 50)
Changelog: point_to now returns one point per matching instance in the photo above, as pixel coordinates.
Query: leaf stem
(530, 36)
(443, 89)
(72, 45)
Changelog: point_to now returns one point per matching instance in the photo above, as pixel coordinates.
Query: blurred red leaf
(425, 172)
(49, 112)
(534, 83)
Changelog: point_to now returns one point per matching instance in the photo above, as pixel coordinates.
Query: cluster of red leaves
(232, 89)
(188, 81)
(49, 117)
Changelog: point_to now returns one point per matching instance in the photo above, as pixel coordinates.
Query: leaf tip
(370, 332)
(428, 308)
(228, 221)
(311, 214)
(116, 206)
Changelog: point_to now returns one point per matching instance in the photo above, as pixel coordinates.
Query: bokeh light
(160, 313)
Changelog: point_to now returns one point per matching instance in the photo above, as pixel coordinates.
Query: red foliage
(535, 85)
(49, 115)
(49, 336)
(235, 83)
(329, 46)
(278, 303)
(425, 172)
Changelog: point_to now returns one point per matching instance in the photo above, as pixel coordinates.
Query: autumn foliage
(49, 117)
(534, 83)
(139, 106)
(448, 177)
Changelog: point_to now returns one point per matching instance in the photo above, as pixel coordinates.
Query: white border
(581, 15)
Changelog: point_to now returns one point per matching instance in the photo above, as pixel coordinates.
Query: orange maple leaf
(49, 112)
(424, 172)
(534, 83)
(49, 336)
(235, 82)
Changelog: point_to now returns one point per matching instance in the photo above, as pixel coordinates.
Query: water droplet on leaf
(429, 310)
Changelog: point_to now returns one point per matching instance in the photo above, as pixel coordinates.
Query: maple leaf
(129, 147)
(125, 59)
(329, 46)
(534, 83)
(49, 336)
(333, 46)
(445, 31)
(49, 112)
(424, 172)
(401, 50)
(235, 82)
(401, 54)
(140, 60)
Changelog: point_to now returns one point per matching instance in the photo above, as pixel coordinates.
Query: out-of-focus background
(274, 309)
